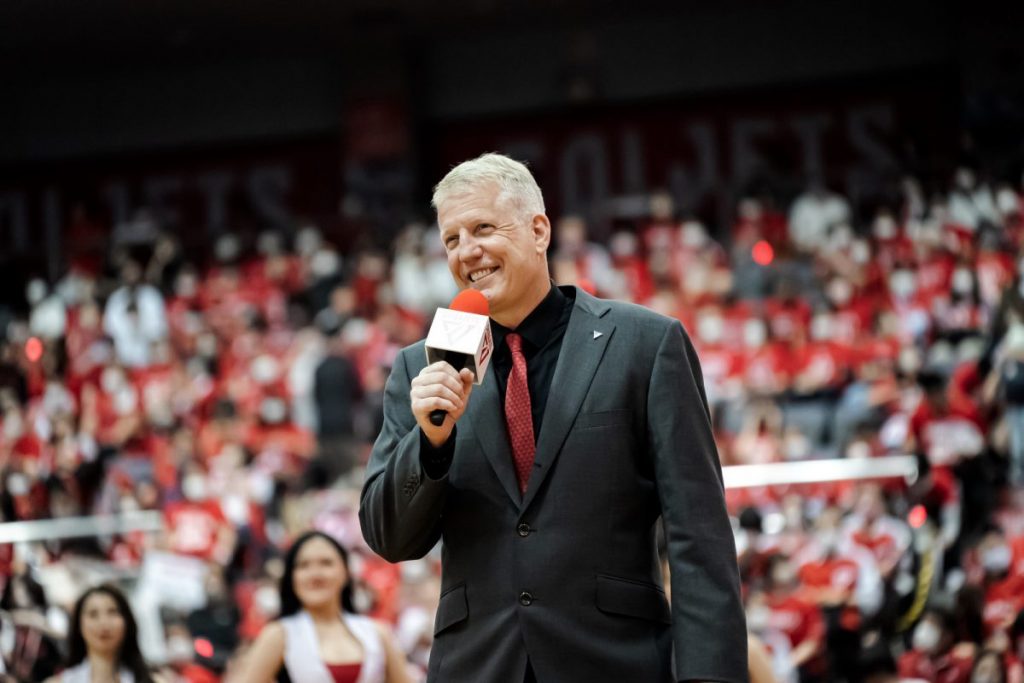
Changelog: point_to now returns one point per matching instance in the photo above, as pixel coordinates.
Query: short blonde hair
(514, 181)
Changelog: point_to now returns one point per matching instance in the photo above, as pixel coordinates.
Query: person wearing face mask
(958, 312)
(275, 429)
(103, 641)
(319, 637)
(1002, 582)
(798, 618)
(931, 656)
(197, 524)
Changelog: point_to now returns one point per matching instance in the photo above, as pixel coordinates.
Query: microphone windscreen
(471, 301)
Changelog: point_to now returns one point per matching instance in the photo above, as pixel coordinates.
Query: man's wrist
(436, 460)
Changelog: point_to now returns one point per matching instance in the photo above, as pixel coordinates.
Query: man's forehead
(465, 208)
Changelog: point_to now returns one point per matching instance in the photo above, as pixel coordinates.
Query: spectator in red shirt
(197, 524)
(1004, 587)
(946, 432)
(933, 656)
(798, 618)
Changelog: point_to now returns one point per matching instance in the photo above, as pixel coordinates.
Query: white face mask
(821, 328)
(622, 244)
(996, 559)
(963, 282)
(903, 284)
(709, 329)
(179, 649)
(17, 484)
(839, 291)
(14, 426)
(325, 263)
(885, 228)
(841, 238)
(35, 291)
(226, 248)
(926, 637)
(1007, 201)
(797, 448)
(758, 617)
(754, 334)
(265, 369)
(694, 235)
(194, 487)
(236, 509)
(860, 252)
(261, 487)
(267, 600)
(965, 179)
(784, 575)
(273, 410)
(111, 380)
(858, 450)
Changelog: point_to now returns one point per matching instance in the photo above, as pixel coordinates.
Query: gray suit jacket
(567, 575)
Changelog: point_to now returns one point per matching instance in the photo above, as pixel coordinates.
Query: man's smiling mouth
(477, 275)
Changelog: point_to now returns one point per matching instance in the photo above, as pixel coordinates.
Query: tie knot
(515, 342)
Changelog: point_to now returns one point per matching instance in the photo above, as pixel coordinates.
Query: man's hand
(440, 387)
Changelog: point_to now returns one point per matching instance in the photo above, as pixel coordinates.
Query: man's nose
(469, 249)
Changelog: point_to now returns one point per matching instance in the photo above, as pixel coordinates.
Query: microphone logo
(456, 330)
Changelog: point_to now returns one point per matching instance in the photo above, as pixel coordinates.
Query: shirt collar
(539, 325)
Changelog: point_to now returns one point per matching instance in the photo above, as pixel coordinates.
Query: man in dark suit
(545, 486)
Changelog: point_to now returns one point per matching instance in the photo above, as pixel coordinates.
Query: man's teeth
(473, 277)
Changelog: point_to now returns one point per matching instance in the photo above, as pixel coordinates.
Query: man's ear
(541, 228)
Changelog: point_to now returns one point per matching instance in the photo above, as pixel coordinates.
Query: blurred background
(215, 234)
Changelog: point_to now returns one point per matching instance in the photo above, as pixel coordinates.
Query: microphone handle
(457, 361)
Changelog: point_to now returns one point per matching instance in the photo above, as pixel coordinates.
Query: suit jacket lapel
(585, 341)
(488, 418)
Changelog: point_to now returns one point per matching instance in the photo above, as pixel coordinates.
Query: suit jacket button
(523, 529)
(525, 599)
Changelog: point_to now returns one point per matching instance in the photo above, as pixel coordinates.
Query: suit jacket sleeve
(400, 507)
(708, 625)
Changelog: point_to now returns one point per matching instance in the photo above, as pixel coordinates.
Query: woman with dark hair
(103, 644)
(319, 638)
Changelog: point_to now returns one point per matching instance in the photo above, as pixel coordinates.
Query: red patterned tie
(518, 413)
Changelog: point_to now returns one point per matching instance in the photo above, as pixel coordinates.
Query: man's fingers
(439, 391)
(439, 378)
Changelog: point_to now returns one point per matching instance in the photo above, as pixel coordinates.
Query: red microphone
(471, 301)
(461, 336)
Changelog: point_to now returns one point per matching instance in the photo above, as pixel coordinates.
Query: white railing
(812, 471)
(76, 527)
(736, 477)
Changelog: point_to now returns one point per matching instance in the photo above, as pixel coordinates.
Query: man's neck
(513, 319)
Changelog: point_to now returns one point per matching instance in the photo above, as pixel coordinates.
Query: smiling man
(546, 486)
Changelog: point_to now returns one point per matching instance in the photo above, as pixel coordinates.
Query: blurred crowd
(237, 393)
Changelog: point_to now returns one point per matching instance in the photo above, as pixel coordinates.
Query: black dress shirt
(542, 332)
